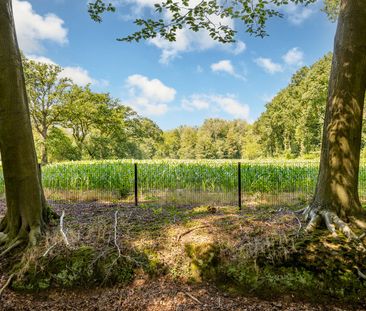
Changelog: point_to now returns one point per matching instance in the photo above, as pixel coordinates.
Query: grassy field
(183, 180)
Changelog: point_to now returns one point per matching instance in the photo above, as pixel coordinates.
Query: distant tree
(45, 91)
(170, 146)
(188, 142)
(236, 136)
(82, 111)
(292, 121)
(60, 147)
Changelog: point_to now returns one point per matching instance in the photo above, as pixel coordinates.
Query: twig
(299, 222)
(360, 274)
(48, 250)
(193, 298)
(62, 229)
(115, 233)
(6, 284)
(189, 231)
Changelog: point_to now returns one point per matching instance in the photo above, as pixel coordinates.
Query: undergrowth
(259, 252)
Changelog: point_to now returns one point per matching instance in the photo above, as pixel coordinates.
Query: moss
(311, 267)
(74, 268)
(153, 267)
(204, 260)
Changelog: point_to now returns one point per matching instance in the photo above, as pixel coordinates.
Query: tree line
(71, 122)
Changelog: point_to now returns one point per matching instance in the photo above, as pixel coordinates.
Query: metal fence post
(136, 187)
(239, 185)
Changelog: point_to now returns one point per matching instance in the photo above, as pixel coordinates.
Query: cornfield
(183, 181)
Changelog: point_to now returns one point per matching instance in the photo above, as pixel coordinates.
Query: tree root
(15, 243)
(6, 284)
(332, 222)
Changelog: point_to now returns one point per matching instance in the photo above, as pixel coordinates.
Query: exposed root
(6, 284)
(314, 223)
(12, 245)
(359, 223)
(3, 238)
(332, 222)
(34, 236)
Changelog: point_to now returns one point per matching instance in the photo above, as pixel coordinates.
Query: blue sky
(179, 83)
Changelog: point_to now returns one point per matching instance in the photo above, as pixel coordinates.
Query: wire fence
(178, 182)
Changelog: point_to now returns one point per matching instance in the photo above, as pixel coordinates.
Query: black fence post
(239, 185)
(136, 188)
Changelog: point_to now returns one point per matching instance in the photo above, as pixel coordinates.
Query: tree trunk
(44, 135)
(336, 195)
(26, 208)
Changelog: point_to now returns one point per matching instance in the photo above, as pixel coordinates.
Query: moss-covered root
(7, 243)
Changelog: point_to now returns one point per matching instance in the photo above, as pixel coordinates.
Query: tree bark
(336, 195)
(44, 135)
(26, 209)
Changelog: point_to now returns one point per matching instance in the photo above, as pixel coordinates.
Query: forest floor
(179, 244)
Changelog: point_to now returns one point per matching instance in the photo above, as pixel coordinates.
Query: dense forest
(73, 123)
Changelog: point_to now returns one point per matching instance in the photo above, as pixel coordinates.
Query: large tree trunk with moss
(336, 199)
(26, 209)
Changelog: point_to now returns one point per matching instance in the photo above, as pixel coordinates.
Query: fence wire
(178, 182)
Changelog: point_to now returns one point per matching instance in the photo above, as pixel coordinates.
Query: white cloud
(297, 14)
(33, 28)
(238, 47)
(268, 65)
(227, 67)
(294, 57)
(77, 74)
(195, 102)
(217, 103)
(223, 65)
(148, 96)
(41, 59)
(186, 39)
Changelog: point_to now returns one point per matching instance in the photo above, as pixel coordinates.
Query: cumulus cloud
(186, 40)
(294, 57)
(33, 29)
(268, 65)
(297, 14)
(237, 48)
(227, 67)
(223, 65)
(77, 74)
(217, 103)
(148, 96)
(195, 102)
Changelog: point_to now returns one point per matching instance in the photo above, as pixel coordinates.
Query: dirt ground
(163, 230)
(156, 295)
